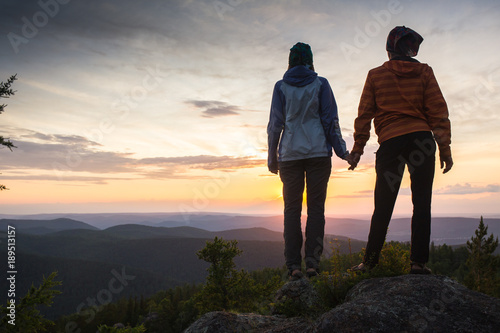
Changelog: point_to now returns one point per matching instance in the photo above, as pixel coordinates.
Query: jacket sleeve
(275, 126)
(436, 111)
(366, 112)
(330, 120)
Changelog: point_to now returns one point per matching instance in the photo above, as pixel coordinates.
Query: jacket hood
(405, 68)
(299, 76)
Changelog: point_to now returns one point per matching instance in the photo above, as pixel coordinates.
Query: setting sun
(165, 114)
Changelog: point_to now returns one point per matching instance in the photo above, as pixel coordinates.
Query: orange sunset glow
(164, 108)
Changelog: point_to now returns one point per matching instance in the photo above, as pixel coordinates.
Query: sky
(162, 106)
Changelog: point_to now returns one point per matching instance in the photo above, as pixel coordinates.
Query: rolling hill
(83, 279)
(449, 230)
(41, 227)
(163, 257)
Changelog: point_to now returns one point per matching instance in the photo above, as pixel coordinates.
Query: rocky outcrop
(413, 303)
(297, 296)
(225, 322)
(409, 303)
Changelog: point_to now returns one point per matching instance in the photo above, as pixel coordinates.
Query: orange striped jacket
(402, 97)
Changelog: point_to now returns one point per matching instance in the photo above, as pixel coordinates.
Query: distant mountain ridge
(449, 230)
(41, 227)
(81, 232)
(140, 231)
(167, 255)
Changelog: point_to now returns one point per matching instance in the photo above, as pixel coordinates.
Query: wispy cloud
(98, 19)
(68, 156)
(204, 162)
(86, 74)
(369, 194)
(358, 194)
(67, 178)
(213, 109)
(185, 167)
(457, 189)
(71, 153)
(461, 189)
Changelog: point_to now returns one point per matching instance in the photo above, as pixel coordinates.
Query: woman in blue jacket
(303, 128)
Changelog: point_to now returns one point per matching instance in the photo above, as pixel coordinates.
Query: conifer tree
(483, 265)
(27, 314)
(222, 274)
(5, 92)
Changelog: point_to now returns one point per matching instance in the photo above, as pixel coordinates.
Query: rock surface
(409, 303)
(225, 322)
(412, 303)
(300, 295)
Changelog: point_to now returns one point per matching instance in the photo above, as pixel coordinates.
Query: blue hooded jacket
(304, 120)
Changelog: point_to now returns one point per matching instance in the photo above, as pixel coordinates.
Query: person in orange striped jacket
(410, 115)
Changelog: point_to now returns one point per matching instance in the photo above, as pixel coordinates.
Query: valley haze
(445, 230)
(87, 250)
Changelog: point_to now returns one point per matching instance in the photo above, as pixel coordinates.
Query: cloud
(369, 194)
(205, 162)
(67, 178)
(457, 189)
(65, 153)
(213, 109)
(358, 194)
(97, 19)
(68, 156)
(57, 138)
(183, 166)
(461, 189)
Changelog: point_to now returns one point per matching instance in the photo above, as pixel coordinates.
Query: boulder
(297, 297)
(412, 303)
(226, 322)
(408, 303)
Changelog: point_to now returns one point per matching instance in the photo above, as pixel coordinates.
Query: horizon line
(363, 216)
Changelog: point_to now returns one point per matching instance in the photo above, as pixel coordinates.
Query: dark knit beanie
(300, 54)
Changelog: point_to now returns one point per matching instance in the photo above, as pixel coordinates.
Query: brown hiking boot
(419, 268)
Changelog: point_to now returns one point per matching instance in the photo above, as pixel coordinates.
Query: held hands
(353, 160)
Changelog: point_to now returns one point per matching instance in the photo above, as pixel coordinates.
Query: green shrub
(334, 283)
(229, 289)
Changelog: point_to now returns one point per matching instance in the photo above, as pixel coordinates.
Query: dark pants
(316, 172)
(417, 151)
